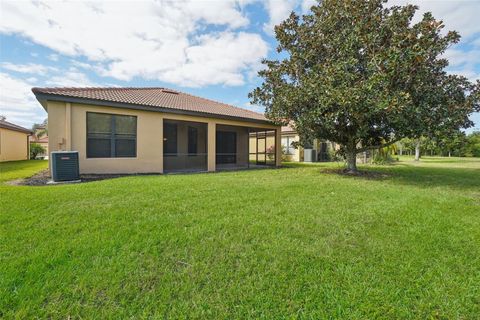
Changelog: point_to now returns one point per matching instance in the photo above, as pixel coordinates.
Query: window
(169, 139)
(287, 144)
(111, 136)
(192, 141)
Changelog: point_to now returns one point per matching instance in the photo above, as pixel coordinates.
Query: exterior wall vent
(65, 166)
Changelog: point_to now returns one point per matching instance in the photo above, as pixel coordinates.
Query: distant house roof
(11, 126)
(42, 139)
(153, 99)
(288, 129)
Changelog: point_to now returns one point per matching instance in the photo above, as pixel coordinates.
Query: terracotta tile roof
(153, 97)
(287, 128)
(8, 125)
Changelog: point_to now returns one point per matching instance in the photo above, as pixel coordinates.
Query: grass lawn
(21, 169)
(287, 243)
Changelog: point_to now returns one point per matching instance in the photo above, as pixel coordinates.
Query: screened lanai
(186, 145)
(244, 147)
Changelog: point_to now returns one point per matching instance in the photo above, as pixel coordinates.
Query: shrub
(35, 150)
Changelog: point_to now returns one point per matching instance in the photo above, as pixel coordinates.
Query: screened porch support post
(160, 133)
(278, 147)
(248, 151)
(211, 143)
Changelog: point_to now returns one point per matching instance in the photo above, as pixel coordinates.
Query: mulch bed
(42, 177)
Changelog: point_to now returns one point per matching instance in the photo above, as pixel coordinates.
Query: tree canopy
(363, 75)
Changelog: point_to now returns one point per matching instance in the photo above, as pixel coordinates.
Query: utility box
(309, 155)
(64, 166)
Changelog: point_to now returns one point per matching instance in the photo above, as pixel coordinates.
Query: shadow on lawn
(458, 178)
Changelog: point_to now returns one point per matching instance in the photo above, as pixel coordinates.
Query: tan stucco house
(156, 130)
(320, 150)
(13, 142)
(41, 140)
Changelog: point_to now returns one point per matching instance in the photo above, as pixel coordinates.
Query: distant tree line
(456, 145)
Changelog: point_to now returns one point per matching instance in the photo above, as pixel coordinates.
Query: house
(318, 150)
(40, 137)
(13, 142)
(156, 130)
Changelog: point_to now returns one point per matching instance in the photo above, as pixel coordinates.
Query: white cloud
(150, 39)
(278, 10)
(71, 78)
(307, 4)
(459, 15)
(29, 68)
(18, 103)
(217, 59)
(53, 57)
(464, 62)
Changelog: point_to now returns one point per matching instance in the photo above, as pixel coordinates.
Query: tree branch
(377, 146)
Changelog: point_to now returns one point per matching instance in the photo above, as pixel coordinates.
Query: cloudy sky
(210, 48)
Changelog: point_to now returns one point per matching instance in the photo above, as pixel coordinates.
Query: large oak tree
(363, 75)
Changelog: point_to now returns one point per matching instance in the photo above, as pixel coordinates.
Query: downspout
(68, 126)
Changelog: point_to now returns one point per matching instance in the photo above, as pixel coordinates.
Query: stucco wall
(67, 131)
(13, 145)
(296, 152)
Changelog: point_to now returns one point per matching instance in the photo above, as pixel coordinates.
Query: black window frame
(112, 136)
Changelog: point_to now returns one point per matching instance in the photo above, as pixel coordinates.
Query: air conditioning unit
(64, 166)
(309, 155)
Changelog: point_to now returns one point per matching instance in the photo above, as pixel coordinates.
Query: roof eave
(26, 131)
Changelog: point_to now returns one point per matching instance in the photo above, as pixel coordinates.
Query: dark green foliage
(473, 145)
(35, 150)
(364, 76)
(457, 144)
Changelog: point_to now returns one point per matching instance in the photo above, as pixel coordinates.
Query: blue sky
(210, 48)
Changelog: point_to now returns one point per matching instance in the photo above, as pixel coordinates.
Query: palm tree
(40, 129)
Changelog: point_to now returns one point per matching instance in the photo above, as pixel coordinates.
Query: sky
(210, 48)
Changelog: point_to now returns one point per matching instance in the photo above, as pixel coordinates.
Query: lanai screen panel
(231, 147)
(262, 147)
(184, 146)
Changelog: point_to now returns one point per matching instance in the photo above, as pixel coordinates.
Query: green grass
(20, 169)
(287, 243)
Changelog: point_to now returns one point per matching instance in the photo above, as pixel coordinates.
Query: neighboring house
(318, 151)
(13, 142)
(289, 136)
(41, 140)
(155, 130)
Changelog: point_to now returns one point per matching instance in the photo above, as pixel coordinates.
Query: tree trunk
(449, 154)
(351, 157)
(417, 150)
